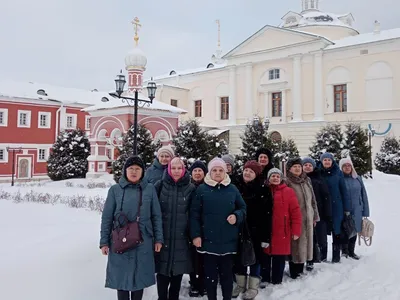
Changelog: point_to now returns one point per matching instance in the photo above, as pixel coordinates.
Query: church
(312, 69)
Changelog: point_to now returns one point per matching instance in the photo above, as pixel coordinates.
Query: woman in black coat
(322, 196)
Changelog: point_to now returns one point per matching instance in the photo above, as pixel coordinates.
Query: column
(284, 113)
(232, 95)
(249, 90)
(267, 100)
(297, 105)
(318, 95)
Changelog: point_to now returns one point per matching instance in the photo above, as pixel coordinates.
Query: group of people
(191, 221)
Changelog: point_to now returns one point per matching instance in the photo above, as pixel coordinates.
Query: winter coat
(134, 269)
(286, 220)
(155, 172)
(339, 195)
(258, 199)
(212, 205)
(175, 201)
(302, 249)
(322, 196)
(359, 206)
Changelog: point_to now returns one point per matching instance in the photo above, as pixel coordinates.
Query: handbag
(349, 227)
(126, 234)
(367, 231)
(246, 250)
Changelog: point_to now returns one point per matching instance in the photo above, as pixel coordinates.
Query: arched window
(172, 72)
(102, 136)
(41, 92)
(210, 65)
(276, 137)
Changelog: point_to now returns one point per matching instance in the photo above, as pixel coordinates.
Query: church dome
(136, 59)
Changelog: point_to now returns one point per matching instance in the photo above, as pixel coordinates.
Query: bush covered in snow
(329, 139)
(68, 158)
(145, 145)
(193, 143)
(387, 160)
(356, 146)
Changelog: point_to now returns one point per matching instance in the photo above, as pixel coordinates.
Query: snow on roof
(365, 38)
(39, 91)
(323, 18)
(117, 103)
(173, 73)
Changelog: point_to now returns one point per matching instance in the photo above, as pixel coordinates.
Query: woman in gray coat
(359, 206)
(133, 270)
(175, 191)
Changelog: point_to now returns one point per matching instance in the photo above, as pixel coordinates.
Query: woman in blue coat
(359, 206)
(215, 215)
(133, 270)
(334, 178)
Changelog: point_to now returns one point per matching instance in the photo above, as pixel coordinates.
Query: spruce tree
(356, 146)
(193, 143)
(68, 158)
(387, 160)
(329, 139)
(146, 149)
(286, 149)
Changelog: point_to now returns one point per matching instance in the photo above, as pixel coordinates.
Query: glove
(347, 213)
(264, 245)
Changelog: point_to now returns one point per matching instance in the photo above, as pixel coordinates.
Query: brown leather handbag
(126, 234)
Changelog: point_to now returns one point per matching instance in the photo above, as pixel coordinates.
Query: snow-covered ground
(51, 251)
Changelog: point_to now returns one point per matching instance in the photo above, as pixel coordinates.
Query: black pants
(349, 245)
(295, 269)
(321, 234)
(124, 295)
(168, 287)
(218, 266)
(197, 277)
(272, 267)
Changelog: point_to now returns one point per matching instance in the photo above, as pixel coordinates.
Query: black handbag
(348, 227)
(246, 248)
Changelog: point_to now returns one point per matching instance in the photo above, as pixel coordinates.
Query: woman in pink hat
(216, 212)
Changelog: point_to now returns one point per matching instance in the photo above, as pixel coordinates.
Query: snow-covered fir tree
(68, 158)
(284, 150)
(387, 160)
(145, 145)
(356, 146)
(192, 143)
(329, 139)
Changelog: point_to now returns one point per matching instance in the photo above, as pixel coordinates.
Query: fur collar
(211, 182)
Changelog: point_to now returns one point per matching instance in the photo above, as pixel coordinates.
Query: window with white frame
(274, 74)
(3, 155)
(102, 167)
(87, 122)
(42, 154)
(44, 119)
(3, 116)
(71, 121)
(24, 118)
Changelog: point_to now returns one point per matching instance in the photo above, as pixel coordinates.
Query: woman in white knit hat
(216, 213)
(164, 155)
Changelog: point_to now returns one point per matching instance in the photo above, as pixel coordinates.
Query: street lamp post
(371, 133)
(13, 151)
(266, 123)
(119, 89)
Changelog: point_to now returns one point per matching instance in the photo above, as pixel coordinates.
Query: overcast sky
(82, 43)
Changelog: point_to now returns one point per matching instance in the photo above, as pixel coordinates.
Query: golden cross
(219, 32)
(137, 25)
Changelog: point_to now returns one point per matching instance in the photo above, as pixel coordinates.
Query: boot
(240, 286)
(310, 266)
(252, 292)
(324, 254)
(352, 246)
(345, 250)
(335, 253)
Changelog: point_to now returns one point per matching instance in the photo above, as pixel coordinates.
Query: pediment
(270, 37)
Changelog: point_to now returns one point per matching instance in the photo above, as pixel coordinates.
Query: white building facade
(313, 69)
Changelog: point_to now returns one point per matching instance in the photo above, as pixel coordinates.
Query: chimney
(377, 27)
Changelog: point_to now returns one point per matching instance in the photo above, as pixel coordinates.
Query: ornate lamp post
(132, 101)
(266, 123)
(13, 151)
(371, 133)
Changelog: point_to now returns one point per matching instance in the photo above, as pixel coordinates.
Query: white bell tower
(310, 5)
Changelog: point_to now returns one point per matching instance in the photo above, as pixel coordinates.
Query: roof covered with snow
(39, 91)
(365, 38)
(117, 103)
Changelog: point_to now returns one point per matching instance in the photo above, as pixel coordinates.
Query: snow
(366, 38)
(51, 251)
(308, 19)
(116, 103)
(65, 95)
